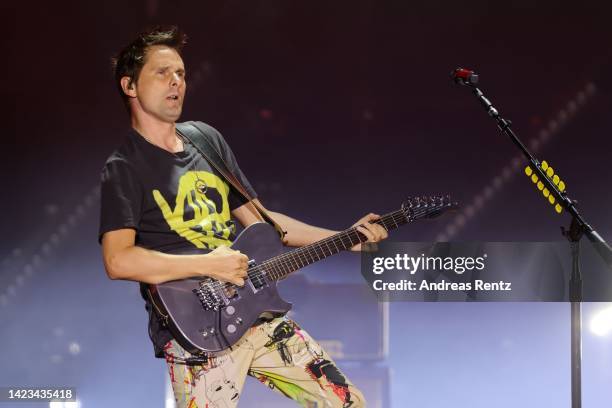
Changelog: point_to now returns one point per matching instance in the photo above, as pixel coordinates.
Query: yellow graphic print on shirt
(209, 227)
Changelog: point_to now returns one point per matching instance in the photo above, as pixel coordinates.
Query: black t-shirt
(176, 202)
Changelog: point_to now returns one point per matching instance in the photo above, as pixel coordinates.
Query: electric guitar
(207, 315)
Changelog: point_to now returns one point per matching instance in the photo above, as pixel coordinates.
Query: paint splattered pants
(279, 354)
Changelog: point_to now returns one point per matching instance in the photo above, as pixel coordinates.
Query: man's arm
(300, 234)
(124, 260)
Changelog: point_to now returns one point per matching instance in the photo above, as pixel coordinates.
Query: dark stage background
(333, 109)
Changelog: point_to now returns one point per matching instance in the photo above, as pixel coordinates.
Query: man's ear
(128, 86)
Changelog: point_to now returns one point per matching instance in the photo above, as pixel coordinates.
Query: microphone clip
(464, 77)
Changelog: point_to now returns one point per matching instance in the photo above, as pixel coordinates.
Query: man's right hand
(227, 265)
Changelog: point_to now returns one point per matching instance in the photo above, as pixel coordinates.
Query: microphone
(464, 76)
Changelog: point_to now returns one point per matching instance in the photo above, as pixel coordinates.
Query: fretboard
(282, 265)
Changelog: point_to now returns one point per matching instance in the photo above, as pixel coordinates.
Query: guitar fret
(294, 261)
(313, 253)
(321, 250)
(288, 264)
(306, 256)
(334, 242)
(307, 253)
(299, 259)
(317, 253)
(347, 241)
(328, 248)
(281, 267)
(395, 222)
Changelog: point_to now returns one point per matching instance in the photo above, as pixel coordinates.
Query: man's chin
(172, 116)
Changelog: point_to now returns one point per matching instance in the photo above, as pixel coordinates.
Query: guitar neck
(282, 265)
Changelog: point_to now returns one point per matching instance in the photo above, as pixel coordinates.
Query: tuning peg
(550, 172)
(546, 192)
(540, 185)
(558, 208)
(555, 180)
(551, 199)
(528, 171)
(544, 165)
(534, 178)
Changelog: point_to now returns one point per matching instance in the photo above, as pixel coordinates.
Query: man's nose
(176, 79)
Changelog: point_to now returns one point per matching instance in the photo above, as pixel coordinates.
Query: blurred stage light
(74, 348)
(66, 404)
(601, 323)
(169, 400)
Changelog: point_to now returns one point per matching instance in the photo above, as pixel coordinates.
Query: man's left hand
(372, 231)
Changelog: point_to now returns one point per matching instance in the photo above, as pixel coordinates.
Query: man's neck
(159, 133)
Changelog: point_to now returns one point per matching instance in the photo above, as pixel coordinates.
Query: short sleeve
(235, 199)
(121, 198)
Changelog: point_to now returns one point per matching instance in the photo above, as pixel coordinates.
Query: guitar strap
(199, 135)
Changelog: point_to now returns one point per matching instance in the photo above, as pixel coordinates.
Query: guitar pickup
(257, 280)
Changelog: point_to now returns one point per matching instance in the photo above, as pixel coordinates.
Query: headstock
(427, 206)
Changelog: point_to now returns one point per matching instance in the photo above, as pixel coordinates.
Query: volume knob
(230, 310)
(231, 328)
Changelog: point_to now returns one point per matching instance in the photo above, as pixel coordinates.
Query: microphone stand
(577, 229)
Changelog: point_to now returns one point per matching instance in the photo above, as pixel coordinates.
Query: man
(166, 215)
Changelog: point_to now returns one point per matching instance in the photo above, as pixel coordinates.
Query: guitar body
(200, 329)
(206, 315)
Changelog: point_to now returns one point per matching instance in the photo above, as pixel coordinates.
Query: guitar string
(284, 260)
(303, 254)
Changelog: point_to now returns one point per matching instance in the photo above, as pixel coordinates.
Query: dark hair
(131, 59)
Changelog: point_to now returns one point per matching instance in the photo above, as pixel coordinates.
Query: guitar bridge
(208, 294)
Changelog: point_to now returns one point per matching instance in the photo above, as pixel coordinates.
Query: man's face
(160, 88)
